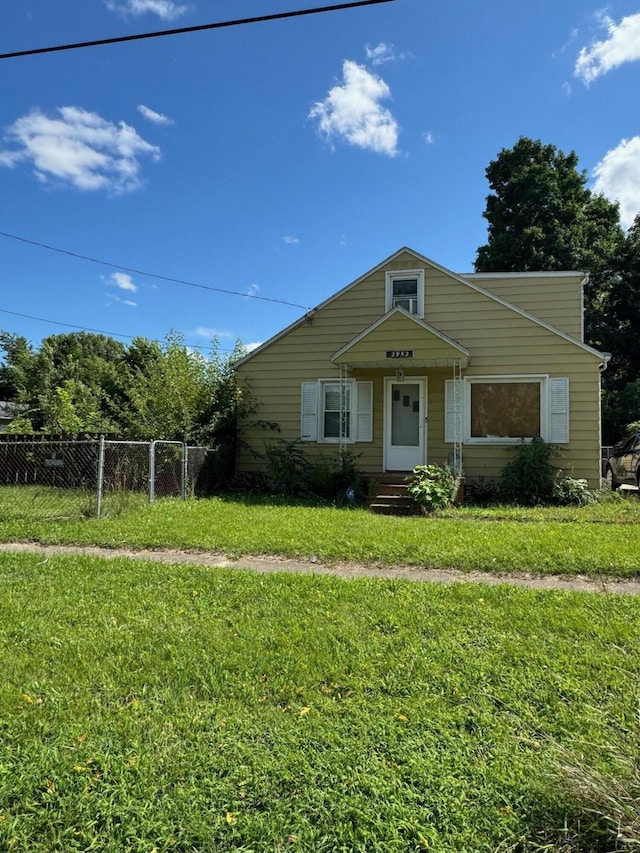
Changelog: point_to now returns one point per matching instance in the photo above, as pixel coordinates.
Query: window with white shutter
(309, 410)
(453, 410)
(559, 410)
(329, 408)
(507, 409)
(364, 418)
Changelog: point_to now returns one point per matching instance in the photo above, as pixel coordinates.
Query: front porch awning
(398, 339)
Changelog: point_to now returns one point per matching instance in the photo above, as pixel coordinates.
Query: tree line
(541, 217)
(81, 382)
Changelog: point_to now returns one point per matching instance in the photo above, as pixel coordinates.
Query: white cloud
(250, 347)
(290, 241)
(78, 148)
(382, 53)
(152, 115)
(253, 290)
(618, 178)
(123, 281)
(210, 333)
(165, 9)
(428, 137)
(352, 112)
(622, 45)
(113, 298)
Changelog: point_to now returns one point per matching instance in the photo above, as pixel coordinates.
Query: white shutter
(559, 410)
(309, 412)
(364, 412)
(453, 410)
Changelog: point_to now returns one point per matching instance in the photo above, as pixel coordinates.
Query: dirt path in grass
(267, 564)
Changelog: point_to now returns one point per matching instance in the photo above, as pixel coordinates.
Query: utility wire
(274, 17)
(101, 331)
(151, 274)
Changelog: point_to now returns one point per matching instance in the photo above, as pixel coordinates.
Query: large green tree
(15, 370)
(64, 386)
(174, 393)
(542, 216)
(81, 382)
(622, 312)
(621, 405)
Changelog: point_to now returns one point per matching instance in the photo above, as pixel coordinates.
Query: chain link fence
(55, 478)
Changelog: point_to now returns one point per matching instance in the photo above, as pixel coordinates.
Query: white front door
(405, 423)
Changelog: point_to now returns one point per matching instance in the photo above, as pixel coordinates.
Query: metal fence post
(185, 469)
(152, 472)
(100, 484)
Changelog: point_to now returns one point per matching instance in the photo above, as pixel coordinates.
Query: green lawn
(602, 539)
(176, 708)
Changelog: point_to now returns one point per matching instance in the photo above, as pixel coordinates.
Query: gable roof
(433, 349)
(462, 279)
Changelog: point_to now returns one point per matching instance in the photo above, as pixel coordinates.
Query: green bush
(529, 479)
(287, 467)
(290, 472)
(570, 492)
(485, 491)
(633, 427)
(332, 476)
(432, 486)
(249, 483)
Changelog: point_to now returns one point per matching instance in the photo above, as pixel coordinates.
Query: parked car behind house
(624, 463)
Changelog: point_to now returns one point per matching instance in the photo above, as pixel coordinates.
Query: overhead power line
(151, 274)
(198, 28)
(100, 331)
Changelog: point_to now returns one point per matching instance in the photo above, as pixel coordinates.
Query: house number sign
(399, 353)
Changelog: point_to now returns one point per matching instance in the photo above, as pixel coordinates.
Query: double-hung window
(334, 411)
(405, 290)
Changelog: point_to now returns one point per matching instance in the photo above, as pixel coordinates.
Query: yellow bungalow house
(413, 364)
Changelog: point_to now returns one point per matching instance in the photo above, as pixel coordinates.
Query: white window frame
(360, 411)
(394, 275)
(554, 408)
(322, 385)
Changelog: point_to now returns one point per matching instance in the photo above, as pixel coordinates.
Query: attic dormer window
(405, 289)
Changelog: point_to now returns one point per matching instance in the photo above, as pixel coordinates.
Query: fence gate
(167, 469)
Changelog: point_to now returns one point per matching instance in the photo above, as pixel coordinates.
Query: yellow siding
(500, 342)
(555, 299)
(399, 332)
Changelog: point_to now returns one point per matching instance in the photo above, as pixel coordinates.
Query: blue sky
(282, 159)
